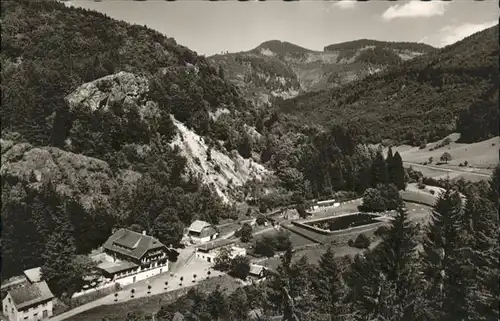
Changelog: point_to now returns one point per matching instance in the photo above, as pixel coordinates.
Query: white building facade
(31, 302)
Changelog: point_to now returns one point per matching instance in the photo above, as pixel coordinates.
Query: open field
(482, 157)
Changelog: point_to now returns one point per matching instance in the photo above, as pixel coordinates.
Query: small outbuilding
(201, 232)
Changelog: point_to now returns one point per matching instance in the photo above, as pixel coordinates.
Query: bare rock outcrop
(89, 179)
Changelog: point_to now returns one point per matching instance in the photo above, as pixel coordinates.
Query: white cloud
(346, 4)
(452, 34)
(414, 9)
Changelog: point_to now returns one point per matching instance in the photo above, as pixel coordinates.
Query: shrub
(261, 220)
(421, 186)
(240, 267)
(422, 146)
(466, 163)
(446, 157)
(245, 233)
(265, 246)
(362, 241)
(350, 242)
(382, 230)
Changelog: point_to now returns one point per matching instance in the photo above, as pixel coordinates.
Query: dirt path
(436, 172)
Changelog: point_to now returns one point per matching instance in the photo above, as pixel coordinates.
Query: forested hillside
(261, 78)
(88, 139)
(420, 100)
(282, 69)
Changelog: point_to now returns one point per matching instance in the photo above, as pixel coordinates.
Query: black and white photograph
(195, 160)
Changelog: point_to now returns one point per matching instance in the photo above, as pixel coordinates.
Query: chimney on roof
(144, 232)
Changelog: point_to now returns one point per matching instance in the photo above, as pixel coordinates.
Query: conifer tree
(443, 260)
(378, 170)
(59, 251)
(365, 282)
(482, 211)
(398, 171)
(390, 166)
(329, 287)
(397, 258)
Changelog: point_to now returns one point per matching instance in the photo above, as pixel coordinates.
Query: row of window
(154, 265)
(45, 314)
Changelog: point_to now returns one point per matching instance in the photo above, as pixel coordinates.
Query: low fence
(339, 232)
(304, 235)
(421, 198)
(92, 290)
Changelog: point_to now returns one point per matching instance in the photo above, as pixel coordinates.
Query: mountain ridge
(307, 70)
(439, 83)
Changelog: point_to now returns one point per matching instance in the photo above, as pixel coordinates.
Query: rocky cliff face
(123, 103)
(89, 179)
(119, 102)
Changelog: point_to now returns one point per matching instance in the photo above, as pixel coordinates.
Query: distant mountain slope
(419, 100)
(303, 70)
(406, 50)
(280, 48)
(260, 77)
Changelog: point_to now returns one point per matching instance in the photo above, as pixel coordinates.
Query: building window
(9, 300)
(25, 318)
(45, 314)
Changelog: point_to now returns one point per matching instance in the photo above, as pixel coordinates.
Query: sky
(211, 27)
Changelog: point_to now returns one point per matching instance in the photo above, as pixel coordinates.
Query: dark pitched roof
(131, 243)
(31, 294)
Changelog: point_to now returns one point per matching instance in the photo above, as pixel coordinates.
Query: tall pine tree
(390, 166)
(443, 260)
(398, 171)
(398, 258)
(378, 170)
(329, 287)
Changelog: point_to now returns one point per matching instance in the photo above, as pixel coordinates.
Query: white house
(209, 251)
(32, 302)
(257, 271)
(201, 232)
(131, 257)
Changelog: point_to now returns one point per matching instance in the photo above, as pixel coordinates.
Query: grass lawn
(153, 303)
(481, 157)
(296, 239)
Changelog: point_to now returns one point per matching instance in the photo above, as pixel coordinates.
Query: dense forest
(419, 100)
(447, 270)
